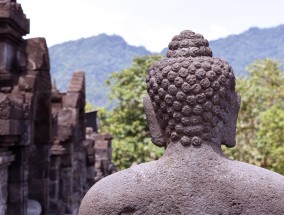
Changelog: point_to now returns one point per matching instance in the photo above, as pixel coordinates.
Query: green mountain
(101, 55)
(242, 49)
(254, 44)
(98, 57)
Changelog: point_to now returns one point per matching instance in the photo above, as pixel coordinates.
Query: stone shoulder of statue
(192, 109)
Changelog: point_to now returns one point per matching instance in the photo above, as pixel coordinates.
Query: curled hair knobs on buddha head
(190, 90)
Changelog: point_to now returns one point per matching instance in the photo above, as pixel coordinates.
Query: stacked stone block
(68, 159)
(45, 164)
(101, 144)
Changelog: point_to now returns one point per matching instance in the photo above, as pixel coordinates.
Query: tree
(126, 121)
(89, 107)
(260, 136)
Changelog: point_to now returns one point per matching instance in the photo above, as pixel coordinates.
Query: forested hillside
(99, 56)
(253, 44)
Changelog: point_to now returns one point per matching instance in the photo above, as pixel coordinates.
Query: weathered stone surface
(37, 54)
(10, 127)
(13, 26)
(6, 157)
(27, 83)
(17, 208)
(10, 107)
(21, 188)
(77, 83)
(3, 186)
(71, 100)
(57, 149)
(6, 62)
(3, 209)
(75, 96)
(192, 110)
(12, 11)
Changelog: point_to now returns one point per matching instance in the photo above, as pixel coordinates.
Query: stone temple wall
(47, 162)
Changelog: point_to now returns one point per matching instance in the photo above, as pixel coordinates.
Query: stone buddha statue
(192, 109)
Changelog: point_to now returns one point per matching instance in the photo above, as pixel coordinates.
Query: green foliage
(89, 107)
(260, 136)
(127, 122)
(270, 137)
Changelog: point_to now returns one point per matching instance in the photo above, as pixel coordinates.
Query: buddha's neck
(207, 151)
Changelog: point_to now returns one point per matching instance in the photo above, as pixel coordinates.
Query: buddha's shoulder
(255, 180)
(134, 174)
(251, 173)
(108, 196)
(133, 190)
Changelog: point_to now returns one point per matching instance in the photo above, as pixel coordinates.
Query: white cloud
(151, 23)
(216, 32)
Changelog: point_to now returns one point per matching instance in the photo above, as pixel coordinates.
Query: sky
(149, 23)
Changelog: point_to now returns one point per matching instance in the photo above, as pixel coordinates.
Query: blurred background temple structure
(47, 159)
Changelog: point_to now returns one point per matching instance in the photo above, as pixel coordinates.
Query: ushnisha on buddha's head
(192, 98)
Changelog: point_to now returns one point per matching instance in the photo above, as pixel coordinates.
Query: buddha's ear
(229, 131)
(156, 132)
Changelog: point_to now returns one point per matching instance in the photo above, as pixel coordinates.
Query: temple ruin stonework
(192, 109)
(46, 162)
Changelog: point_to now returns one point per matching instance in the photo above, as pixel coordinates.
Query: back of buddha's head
(190, 91)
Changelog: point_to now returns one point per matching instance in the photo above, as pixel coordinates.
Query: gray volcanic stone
(192, 110)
